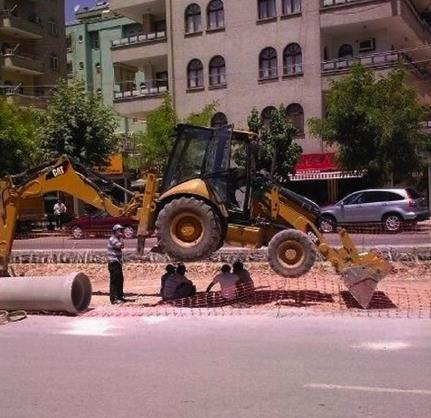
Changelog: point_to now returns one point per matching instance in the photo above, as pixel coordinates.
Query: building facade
(263, 53)
(32, 39)
(89, 41)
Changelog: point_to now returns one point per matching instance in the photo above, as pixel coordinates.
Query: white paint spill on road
(367, 389)
(152, 320)
(90, 326)
(383, 345)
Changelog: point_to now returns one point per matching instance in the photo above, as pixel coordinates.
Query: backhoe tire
(188, 229)
(291, 253)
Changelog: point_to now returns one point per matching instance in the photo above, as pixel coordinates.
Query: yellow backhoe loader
(212, 193)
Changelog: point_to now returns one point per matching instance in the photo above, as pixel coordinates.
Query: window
(69, 44)
(345, 51)
(215, 14)
(291, 7)
(162, 79)
(160, 26)
(53, 62)
(352, 199)
(52, 27)
(219, 120)
(193, 19)
(195, 74)
(292, 59)
(295, 114)
(217, 71)
(70, 68)
(81, 65)
(268, 64)
(266, 9)
(266, 115)
(94, 40)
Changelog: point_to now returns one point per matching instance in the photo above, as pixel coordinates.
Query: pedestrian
(170, 269)
(178, 286)
(115, 265)
(227, 281)
(60, 210)
(245, 283)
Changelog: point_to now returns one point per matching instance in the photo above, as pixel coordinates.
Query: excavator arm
(65, 176)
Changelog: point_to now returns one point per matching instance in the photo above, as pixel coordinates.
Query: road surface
(418, 238)
(246, 366)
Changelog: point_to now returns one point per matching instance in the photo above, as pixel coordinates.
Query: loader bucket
(361, 281)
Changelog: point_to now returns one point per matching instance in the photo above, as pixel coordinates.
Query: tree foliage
(20, 147)
(154, 145)
(375, 123)
(279, 153)
(80, 125)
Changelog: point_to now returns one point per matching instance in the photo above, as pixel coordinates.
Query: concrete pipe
(71, 293)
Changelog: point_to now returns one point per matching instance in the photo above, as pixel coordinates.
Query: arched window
(268, 64)
(345, 51)
(266, 9)
(291, 7)
(266, 114)
(295, 114)
(217, 71)
(193, 18)
(219, 120)
(53, 62)
(195, 74)
(215, 14)
(292, 59)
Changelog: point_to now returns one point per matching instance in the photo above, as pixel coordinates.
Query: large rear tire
(291, 253)
(188, 229)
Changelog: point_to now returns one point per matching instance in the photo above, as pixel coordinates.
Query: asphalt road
(215, 367)
(417, 238)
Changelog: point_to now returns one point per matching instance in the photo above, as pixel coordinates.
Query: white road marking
(90, 326)
(368, 389)
(152, 320)
(383, 345)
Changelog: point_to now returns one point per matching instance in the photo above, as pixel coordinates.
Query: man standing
(115, 265)
(59, 212)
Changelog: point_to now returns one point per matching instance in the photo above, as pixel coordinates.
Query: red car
(100, 224)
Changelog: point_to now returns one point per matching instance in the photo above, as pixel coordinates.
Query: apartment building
(89, 40)
(264, 53)
(32, 45)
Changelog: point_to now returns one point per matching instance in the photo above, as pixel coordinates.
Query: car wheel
(77, 232)
(392, 222)
(129, 232)
(328, 224)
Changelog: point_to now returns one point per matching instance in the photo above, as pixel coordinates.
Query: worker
(177, 285)
(170, 269)
(227, 281)
(245, 283)
(60, 210)
(115, 265)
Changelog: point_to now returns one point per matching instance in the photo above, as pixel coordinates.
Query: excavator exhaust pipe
(71, 293)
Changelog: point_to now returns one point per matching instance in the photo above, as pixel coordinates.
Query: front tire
(291, 253)
(189, 229)
(328, 224)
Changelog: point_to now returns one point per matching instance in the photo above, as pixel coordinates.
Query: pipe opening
(81, 292)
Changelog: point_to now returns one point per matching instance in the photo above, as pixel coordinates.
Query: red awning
(316, 162)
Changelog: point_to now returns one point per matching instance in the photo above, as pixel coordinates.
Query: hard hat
(117, 227)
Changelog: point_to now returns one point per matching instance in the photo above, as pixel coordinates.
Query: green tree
(19, 142)
(78, 124)
(375, 123)
(279, 153)
(154, 145)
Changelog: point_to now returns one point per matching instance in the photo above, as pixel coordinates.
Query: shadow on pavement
(379, 301)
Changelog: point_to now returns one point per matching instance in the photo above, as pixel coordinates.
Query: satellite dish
(76, 8)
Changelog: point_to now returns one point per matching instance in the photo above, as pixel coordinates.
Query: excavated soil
(406, 289)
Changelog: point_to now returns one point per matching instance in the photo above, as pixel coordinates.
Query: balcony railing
(293, 69)
(25, 95)
(139, 39)
(141, 92)
(21, 60)
(269, 73)
(11, 21)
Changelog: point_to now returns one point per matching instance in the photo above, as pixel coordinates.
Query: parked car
(100, 224)
(392, 207)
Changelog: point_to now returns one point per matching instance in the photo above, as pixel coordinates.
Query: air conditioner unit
(367, 45)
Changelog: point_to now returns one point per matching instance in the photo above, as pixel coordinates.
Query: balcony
(134, 50)
(139, 101)
(14, 60)
(134, 9)
(26, 97)
(17, 27)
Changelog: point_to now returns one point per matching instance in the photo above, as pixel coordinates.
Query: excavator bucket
(361, 281)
